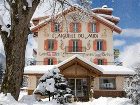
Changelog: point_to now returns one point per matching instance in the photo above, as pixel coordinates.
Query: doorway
(79, 86)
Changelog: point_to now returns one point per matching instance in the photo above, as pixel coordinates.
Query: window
(107, 83)
(75, 27)
(99, 45)
(100, 62)
(93, 27)
(75, 45)
(50, 61)
(56, 27)
(79, 86)
(50, 44)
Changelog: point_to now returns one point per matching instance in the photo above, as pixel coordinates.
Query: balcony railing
(76, 49)
(108, 63)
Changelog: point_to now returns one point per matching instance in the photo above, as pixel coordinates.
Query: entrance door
(79, 87)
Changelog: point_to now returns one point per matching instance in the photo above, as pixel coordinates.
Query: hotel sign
(75, 35)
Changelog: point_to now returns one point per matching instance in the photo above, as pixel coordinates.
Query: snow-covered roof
(110, 17)
(96, 16)
(109, 9)
(37, 69)
(105, 69)
(113, 69)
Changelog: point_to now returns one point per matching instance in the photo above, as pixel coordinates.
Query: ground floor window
(79, 87)
(107, 83)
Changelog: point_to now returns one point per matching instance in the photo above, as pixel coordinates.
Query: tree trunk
(15, 45)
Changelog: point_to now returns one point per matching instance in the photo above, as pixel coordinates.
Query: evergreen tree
(54, 84)
(132, 87)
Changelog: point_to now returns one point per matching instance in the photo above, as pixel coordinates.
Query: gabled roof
(77, 7)
(82, 59)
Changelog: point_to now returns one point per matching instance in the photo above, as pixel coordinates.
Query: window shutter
(95, 61)
(105, 61)
(70, 45)
(95, 45)
(52, 26)
(104, 45)
(61, 27)
(79, 27)
(79, 45)
(46, 44)
(55, 45)
(89, 27)
(45, 61)
(54, 61)
(97, 26)
(71, 27)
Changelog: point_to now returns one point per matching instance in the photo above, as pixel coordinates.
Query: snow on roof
(100, 8)
(113, 69)
(37, 69)
(110, 16)
(116, 28)
(105, 69)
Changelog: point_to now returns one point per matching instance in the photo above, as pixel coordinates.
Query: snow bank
(29, 100)
(8, 100)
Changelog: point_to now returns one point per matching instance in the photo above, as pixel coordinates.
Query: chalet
(80, 44)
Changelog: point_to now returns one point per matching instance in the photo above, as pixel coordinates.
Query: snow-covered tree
(53, 84)
(14, 29)
(132, 86)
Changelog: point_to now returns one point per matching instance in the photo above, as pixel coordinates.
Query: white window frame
(107, 86)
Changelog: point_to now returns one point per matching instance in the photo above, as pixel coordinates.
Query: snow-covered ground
(29, 100)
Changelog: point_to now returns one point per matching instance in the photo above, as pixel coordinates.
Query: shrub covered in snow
(53, 84)
(132, 87)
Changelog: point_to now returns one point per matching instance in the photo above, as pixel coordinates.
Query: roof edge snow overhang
(94, 15)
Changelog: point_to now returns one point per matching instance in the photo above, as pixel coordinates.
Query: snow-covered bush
(53, 84)
(132, 87)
